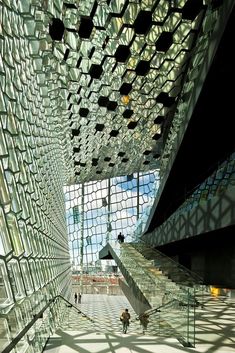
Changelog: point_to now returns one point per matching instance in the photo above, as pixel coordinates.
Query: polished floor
(215, 329)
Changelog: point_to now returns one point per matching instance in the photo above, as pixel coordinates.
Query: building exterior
(97, 90)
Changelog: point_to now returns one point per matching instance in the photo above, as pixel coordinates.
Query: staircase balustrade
(34, 335)
(150, 273)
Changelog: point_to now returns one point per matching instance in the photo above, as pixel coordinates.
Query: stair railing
(191, 274)
(178, 309)
(26, 330)
(197, 285)
(177, 318)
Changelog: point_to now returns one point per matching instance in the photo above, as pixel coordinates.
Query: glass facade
(87, 91)
(34, 253)
(97, 211)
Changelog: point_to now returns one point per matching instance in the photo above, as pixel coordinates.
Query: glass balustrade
(175, 319)
(51, 315)
(168, 266)
(177, 301)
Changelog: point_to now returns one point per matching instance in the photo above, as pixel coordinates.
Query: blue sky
(123, 211)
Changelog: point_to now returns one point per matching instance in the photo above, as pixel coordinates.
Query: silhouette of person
(144, 320)
(79, 298)
(120, 238)
(125, 318)
(88, 240)
(75, 298)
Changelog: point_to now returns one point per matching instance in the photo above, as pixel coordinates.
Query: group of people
(77, 298)
(125, 316)
(125, 319)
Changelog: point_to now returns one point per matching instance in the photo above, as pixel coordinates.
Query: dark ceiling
(209, 138)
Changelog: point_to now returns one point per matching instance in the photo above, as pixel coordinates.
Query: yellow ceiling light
(125, 99)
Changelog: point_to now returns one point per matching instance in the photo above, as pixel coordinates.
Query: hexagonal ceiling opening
(118, 63)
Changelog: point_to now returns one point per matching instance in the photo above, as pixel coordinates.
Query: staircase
(153, 275)
(150, 280)
(161, 282)
(173, 270)
(142, 285)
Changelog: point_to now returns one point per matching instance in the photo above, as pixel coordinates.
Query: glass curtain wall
(97, 211)
(34, 255)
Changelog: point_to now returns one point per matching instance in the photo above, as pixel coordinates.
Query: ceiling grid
(121, 66)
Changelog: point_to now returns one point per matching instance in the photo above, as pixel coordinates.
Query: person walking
(125, 318)
(144, 320)
(75, 298)
(79, 298)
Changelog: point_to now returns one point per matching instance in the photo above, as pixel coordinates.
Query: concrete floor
(215, 329)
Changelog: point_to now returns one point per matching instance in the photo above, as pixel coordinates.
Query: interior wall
(210, 255)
